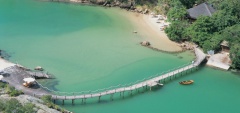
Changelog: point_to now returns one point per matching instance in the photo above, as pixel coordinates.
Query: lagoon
(90, 47)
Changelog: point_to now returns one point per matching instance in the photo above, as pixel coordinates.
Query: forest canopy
(207, 31)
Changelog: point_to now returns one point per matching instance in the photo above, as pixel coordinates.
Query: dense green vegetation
(13, 106)
(12, 91)
(207, 32)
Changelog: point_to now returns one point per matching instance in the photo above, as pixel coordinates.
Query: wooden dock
(200, 56)
(143, 84)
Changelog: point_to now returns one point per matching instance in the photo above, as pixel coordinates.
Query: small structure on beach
(145, 43)
(204, 9)
(28, 82)
(221, 60)
(225, 46)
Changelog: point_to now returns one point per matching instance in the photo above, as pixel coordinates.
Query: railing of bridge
(111, 87)
(198, 60)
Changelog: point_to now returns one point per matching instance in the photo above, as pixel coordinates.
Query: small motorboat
(186, 82)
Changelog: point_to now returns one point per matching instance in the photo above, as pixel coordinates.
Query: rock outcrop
(145, 43)
(23, 99)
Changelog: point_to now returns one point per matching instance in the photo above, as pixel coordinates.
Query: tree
(201, 30)
(13, 106)
(177, 11)
(223, 19)
(176, 31)
(232, 35)
(190, 3)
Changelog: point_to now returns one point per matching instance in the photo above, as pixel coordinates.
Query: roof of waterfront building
(203, 9)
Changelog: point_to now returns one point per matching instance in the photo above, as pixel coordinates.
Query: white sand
(5, 64)
(148, 28)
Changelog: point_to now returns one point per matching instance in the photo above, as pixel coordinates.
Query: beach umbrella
(28, 79)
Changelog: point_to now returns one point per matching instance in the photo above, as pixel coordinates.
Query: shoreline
(146, 26)
(150, 31)
(5, 64)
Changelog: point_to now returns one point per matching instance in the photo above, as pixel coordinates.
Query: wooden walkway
(200, 56)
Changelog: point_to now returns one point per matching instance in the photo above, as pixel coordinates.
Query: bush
(13, 106)
(47, 99)
(12, 91)
(28, 108)
(15, 93)
(3, 85)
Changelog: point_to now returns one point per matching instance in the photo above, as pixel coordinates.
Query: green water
(88, 48)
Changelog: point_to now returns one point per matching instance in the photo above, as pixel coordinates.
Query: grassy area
(13, 106)
(12, 91)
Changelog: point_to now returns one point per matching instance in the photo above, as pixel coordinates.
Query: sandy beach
(148, 28)
(5, 64)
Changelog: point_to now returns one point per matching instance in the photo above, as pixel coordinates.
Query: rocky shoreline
(128, 5)
(39, 105)
(23, 99)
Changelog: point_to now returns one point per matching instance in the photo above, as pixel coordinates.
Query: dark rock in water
(4, 54)
(145, 43)
(180, 57)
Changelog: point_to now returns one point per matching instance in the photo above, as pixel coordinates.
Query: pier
(142, 84)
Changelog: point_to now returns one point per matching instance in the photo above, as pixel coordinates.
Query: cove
(89, 47)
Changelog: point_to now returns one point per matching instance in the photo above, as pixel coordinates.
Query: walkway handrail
(200, 56)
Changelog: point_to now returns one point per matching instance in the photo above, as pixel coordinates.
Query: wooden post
(72, 101)
(112, 96)
(54, 101)
(123, 93)
(82, 100)
(62, 102)
(99, 98)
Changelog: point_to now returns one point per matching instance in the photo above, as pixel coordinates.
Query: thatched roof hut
(225, 46)
(204, 9)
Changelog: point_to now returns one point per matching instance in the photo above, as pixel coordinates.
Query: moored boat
(186, 82)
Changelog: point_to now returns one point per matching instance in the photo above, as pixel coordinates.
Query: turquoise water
(89, 47)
